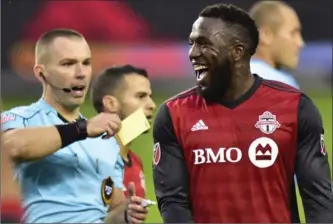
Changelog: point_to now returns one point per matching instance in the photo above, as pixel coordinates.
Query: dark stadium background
(151, 34)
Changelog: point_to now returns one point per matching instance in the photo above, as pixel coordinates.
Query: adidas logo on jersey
(200, 125)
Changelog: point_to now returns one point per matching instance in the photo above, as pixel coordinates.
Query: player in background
(226, 150)
(66, 172)
(280, 41)
(123, 90)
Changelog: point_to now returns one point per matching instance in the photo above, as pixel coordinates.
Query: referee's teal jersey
(65, 186)
(266, 71)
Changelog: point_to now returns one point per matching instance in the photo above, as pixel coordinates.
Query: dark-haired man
(123, 90)
(227, 149)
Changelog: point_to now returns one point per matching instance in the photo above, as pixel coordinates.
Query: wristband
(82, 127)
(72, 132)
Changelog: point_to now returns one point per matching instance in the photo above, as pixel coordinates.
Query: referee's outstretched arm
(32, 143)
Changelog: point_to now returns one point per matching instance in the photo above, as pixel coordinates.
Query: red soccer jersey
(11, 210)
(134, 173)
(235, 162)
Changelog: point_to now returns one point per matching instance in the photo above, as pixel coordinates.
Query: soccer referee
(66, 171)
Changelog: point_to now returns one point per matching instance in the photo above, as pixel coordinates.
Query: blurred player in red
(226, 150)
(124, 89)
(11, 210)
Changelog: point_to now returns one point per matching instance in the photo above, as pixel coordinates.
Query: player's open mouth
(78, 88)
(78, 91)
(200, 71)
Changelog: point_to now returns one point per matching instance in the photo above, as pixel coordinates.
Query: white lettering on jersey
(223, 155)
(262, 153)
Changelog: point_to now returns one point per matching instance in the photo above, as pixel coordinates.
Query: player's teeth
(199, 67)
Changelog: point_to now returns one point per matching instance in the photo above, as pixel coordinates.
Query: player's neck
(240, 85)
(70, 114)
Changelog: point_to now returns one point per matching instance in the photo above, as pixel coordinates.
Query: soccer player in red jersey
(124, 89)
(226, 150)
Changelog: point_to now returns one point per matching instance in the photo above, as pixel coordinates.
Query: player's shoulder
(186, 97)
(308, 107)
(280, 92)
(280, 87)
(26, 111)
(179, 105)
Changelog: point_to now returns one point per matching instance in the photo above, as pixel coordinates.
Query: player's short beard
(220, 81)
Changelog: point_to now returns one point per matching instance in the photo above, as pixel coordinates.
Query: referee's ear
(266, 36)
(111, 104)
(39, 69)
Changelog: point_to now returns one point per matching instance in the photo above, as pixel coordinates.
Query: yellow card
(131, 127)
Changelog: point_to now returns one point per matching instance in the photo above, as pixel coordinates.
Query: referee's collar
(263, 63)
(49, 109)
(260, 61)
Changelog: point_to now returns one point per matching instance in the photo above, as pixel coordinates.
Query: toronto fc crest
(267, 123)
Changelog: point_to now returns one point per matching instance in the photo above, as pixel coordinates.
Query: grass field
(143, 145)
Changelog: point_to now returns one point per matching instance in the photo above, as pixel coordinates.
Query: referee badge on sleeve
(107, 190)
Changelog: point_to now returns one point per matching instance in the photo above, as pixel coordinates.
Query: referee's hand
(108, 123)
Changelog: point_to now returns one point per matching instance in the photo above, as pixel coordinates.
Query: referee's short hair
(48, 37)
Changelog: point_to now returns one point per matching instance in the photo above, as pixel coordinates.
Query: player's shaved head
(47, 39)
(280, 33)
(268, 13)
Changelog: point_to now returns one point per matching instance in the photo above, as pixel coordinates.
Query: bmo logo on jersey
(262, 153)
(223, 155)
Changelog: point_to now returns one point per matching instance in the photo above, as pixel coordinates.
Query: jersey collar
(49, 109)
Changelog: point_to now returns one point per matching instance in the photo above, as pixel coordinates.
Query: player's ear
(111, 104)
(265, 36)
(238, 51)
(38, 70)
